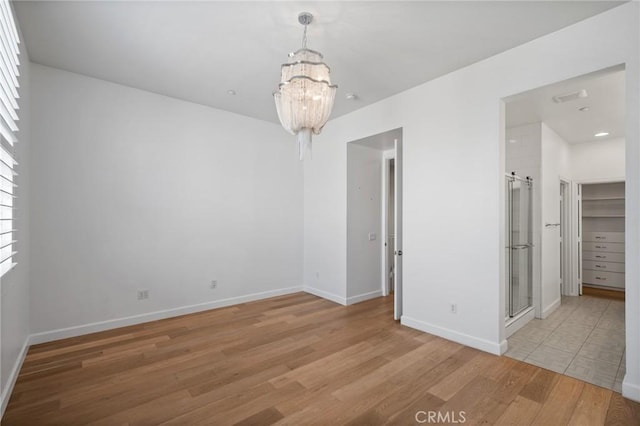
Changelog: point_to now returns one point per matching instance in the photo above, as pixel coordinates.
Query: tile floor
(583, 338)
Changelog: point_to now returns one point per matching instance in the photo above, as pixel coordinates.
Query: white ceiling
(196, 51)
(605, 100)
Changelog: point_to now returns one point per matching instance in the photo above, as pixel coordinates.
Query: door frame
(578, 217)
(397, 230)
(387, 156)
(568, 234)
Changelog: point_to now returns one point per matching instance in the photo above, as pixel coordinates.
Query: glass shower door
(519, 245)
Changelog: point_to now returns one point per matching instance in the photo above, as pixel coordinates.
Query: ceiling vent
(570, 96)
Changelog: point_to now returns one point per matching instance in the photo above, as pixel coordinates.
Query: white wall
(364, 216)
(555, 166)
(14, 307)
(599, 160)
(453, 181)
(133, 190)
(523, 150)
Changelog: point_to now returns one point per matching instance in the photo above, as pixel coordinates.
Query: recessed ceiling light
(231, 92)
(599, 135)
(583, 109)
(351, 96)
(512, 141)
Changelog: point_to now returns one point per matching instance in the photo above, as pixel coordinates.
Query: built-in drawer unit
(605, 247)
(608, 237)
(603, 239)
(607, 279)
(601, 256)
(603, 266)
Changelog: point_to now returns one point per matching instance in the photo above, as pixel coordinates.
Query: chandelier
(305, 95)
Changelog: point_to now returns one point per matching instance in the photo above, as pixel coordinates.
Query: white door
(397, 282)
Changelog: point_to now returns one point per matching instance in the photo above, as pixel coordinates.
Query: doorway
(374, 218)
(567, 135)
(392, 226)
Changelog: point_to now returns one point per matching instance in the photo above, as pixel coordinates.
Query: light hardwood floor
(604, 293)
(297, 360)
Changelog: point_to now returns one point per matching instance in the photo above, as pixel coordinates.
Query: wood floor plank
(508, 385)
(265, 417)
(540, 386)
(592, 407)
(292, 360)
(451, 385)
(559, 406)
(521, 412)
(622, 412)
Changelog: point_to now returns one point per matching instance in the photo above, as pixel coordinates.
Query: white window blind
(9, 51)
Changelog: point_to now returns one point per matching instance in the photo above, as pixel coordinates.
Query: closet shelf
(603, 198)
(602, 215)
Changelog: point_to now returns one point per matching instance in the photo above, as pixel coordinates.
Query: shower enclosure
(519, 244)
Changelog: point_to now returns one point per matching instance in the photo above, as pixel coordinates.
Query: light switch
(372, 236)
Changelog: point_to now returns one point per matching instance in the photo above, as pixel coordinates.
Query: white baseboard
(326, 295)
(364, 296)
(504, 346)
(63, 333)
(481, 344)
(519, 321)
(551, 308)
(13, 376)
(630, 390)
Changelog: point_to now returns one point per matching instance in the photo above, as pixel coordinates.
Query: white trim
(504, 346)
(630, 390)
(13, 376)
(389, 154)
(384, 261)
(575, 237)
(570, 239)
(495, 348)
(364, 296)
(600, 180)
(326, 295)
(519, 321)
(63, 333)
(551, 308)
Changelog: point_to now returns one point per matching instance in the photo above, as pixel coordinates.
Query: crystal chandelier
(305, 95)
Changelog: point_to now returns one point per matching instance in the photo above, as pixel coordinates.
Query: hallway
(584, 338)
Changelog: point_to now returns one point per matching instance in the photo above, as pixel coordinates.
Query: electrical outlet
(213, 285)
(143, 294)
(454, 308)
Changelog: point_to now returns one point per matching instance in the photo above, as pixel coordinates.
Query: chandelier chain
(304, 37)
